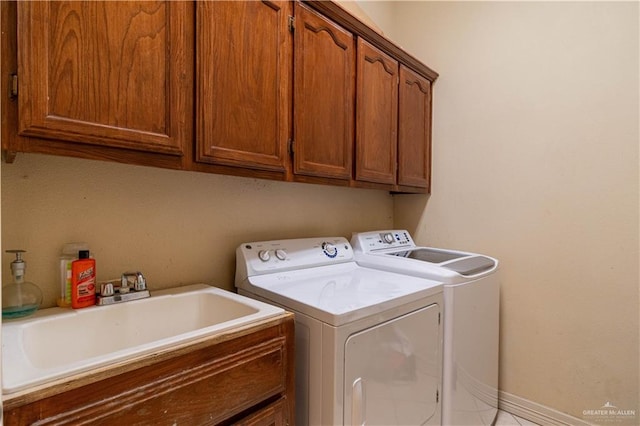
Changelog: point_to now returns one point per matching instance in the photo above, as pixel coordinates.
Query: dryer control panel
(263, 257)
(382, 240)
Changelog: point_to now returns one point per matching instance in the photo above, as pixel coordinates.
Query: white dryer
(471, 314)
(368, 342)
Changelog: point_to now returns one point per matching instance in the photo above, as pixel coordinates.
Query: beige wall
(535, 151)
(378, 15)
(176, 227)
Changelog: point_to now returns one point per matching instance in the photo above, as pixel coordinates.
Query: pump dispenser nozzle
(20, 298)
(18, 266)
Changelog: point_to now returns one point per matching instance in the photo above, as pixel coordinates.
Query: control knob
(329, 249)
(281, 254)
(387, 238)
(264, 255)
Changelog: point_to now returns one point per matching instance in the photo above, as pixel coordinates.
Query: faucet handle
(106, 289)
(139, 283)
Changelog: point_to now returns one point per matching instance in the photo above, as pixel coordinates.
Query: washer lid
(428, 254)
(342, 293)
(463, 263)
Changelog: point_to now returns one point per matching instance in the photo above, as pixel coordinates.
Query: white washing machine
(368, 342)
(471, 313)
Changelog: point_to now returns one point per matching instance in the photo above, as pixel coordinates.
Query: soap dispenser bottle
(20, 298)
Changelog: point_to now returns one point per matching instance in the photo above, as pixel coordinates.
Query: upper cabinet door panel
(324, 96)
(106, 73)
(376, 115)
(414, 130)
(243, 96)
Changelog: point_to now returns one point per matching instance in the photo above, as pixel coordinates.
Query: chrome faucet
(132, 286)
(133, 280)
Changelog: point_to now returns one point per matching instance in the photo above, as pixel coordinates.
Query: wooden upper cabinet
(106, 73)
(414, 130)
(324, 96)
(376, 115)
(243, 89)
(265, 89)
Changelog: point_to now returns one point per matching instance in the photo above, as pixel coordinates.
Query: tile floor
(507, 419)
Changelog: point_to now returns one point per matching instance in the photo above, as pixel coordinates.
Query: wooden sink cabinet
(243, 377)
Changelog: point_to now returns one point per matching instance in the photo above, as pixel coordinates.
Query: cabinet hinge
(437, 396)
(438, 318)
(14, 86)
(291, 147)
(292, 23)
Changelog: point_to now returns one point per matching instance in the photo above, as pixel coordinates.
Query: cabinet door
(376, 115)
(324, 90)
(243, 96)
(105, 73)
(414, 130)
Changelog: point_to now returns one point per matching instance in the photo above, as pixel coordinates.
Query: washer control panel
(380, 240)
(277, 255)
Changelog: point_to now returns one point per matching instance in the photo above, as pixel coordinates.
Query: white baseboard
(535, 412)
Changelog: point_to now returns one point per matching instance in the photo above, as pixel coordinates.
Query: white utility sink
(56, 343)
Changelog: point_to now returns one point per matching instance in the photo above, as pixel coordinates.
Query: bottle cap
(83, 254)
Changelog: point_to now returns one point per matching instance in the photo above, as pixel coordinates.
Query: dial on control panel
(387, 238)
(264, 255)
(281, 254)
(329, 249)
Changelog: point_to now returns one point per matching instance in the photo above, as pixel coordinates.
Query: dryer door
(392, 371)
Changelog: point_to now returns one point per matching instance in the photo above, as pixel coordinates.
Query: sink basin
(56, 343)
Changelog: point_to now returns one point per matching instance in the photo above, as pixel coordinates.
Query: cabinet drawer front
(106, 73)
(197, 388)
(272, 415)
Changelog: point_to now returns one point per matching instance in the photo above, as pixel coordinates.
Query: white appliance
(368, 343)
(471, 312)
